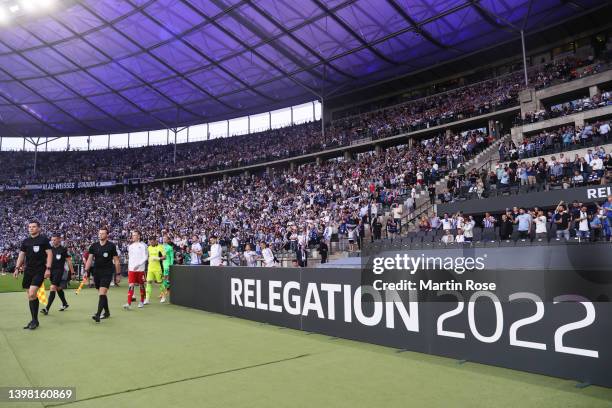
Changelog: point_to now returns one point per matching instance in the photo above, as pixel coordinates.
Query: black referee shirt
(35, 255)
(59, 258)
(103, 255)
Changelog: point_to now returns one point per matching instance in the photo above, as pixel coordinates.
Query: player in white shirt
(196, 251)
(268, 256)
(216, 253)
(137, 261)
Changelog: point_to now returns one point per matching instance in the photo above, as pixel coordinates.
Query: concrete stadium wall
(590, 194)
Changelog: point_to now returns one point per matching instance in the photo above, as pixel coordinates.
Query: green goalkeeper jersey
(169, 256)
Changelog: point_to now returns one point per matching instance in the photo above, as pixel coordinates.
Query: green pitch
(169, 356)
(9, 284)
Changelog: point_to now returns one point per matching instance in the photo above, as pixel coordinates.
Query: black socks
(34, 309)
(106, 311)
(62, 297)
(102, 304)
(51, 299)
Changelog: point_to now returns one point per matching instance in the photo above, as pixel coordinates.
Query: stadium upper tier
(260, 207)
(237, 151)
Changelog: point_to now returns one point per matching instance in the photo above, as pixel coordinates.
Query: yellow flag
(78, 290)
(42, 294)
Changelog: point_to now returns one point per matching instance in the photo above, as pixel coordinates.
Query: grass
(9, 284)
(166, 355)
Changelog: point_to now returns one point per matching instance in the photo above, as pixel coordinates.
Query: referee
(104, 253)
(36, 252)
(61, 258)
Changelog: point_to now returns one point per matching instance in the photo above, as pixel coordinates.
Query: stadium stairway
(422, 203)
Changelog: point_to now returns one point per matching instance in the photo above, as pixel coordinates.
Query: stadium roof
(111, 66)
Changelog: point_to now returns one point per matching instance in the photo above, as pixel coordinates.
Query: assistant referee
(104, 253)
(36, 252)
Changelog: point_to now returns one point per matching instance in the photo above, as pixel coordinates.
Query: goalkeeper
(168, 261)
(154, 269)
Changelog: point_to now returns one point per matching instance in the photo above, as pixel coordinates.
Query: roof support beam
(417, 27)
(295, 38)
(354, 34)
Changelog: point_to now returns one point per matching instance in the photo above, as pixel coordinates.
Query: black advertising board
(565, 336)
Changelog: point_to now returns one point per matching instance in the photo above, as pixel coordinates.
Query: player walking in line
(105, 254)
(137, 262)
(168, 261)
(61, 258)
(36, 252)
(154, 270)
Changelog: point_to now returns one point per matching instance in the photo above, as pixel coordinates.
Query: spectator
(505, 227)
(524, 223)
(540, 225)
(562, 220)
(447, 238)
(582, 221)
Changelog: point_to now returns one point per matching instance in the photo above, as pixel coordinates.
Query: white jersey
(216, 255)
(540, 223)
(268, 257)
(195, 258)
(251, 258)
(137, 257)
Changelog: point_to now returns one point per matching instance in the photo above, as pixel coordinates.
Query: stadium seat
(540, 241)
(428, 245)
(523, 242)
(416, 244)
(489, 234)
(558, 241)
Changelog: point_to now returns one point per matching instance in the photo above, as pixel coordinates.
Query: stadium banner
(522, 320)
(590, 194)
(61, 186)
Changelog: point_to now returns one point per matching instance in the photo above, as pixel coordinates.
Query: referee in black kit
(36, 252)
(104, 253)
(61, 258)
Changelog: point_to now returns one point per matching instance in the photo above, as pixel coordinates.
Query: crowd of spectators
(521, 169)
(237, 151)
(287, 209)
(599, 100)
(566, 221)
(557, 140)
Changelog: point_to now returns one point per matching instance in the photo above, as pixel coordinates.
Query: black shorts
(56, 277)
(32, 279)
(103, 279)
